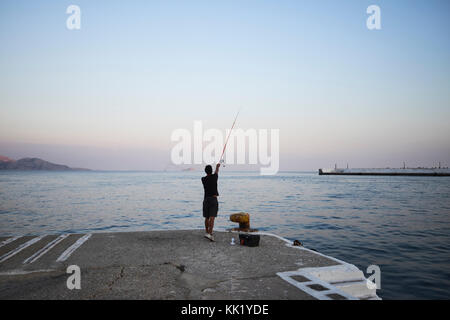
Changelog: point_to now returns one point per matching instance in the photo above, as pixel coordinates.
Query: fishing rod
(226, 142)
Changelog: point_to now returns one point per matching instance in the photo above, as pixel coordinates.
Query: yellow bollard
(243, 219)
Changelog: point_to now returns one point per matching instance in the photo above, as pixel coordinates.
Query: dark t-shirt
(210, 185)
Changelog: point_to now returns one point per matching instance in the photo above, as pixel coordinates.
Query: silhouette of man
(210, 203)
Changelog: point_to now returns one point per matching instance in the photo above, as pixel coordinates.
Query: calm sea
(401, 224)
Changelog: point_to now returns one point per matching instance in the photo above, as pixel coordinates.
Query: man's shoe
(208, 236)
(211, 237)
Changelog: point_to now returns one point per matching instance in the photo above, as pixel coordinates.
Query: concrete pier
(172, 265)
(418, 172)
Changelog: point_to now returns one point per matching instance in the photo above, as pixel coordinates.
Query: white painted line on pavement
(66, 254)
(45, 249)
(22, 272)
(5, 242)
(12, 253)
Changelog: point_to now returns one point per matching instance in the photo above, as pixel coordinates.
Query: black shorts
(210, 207)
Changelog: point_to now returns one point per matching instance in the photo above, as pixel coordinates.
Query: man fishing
(210, 203)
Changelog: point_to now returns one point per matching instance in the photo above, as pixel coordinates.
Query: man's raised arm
(217, 168)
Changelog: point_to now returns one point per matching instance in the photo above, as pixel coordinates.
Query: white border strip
(304, 286)
(19, 248)
(5, 242)
(45, 249)
(289, 243)
(66, 254)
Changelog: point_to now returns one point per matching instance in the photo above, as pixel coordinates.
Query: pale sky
(108, 96)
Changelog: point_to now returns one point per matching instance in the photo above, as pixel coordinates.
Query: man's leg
(206, 215)
(211, 224)
(206, 225)
(213, 214)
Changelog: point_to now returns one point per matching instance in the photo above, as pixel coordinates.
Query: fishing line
(226, 142)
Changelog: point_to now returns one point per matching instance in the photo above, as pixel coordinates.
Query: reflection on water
(401, 224)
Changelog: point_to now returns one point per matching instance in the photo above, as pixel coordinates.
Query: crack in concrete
(110, 285)
(120, 276)
(180, 267)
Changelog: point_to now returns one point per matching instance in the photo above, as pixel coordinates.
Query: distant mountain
(33, 164)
